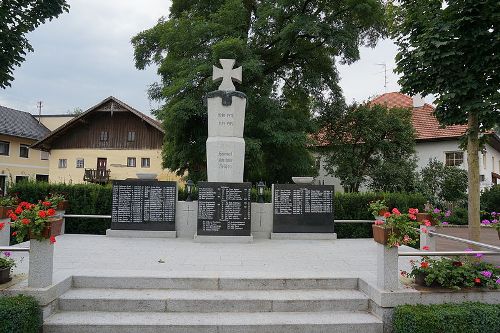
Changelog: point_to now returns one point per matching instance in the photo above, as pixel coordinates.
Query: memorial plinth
(142, 207)
(300, 209)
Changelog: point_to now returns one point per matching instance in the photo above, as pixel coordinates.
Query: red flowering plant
(32, 220)
(55, 199)
(403, 227)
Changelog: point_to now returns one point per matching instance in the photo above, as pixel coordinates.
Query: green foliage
(288, 51)
(20, 314)
(8, 201)
(450, 318)
(458, 216)
(18, 18)
(371, 145)
(440, 183)
(490, 199)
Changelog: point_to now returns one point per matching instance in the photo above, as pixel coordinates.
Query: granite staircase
(191, 305)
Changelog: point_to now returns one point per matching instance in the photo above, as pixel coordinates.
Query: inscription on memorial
(224, 209)
(143, 205)
(301, 208)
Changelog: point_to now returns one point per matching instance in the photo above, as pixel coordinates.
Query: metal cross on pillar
(227, 74)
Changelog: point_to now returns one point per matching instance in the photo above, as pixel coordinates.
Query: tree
(372, 145)
(441, 184)
(452, 49)
(17, 18)
(288, 51)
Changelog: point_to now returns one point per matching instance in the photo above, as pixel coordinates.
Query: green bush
(490, 199)
(20, 314)
(449, 318)
(458, 216)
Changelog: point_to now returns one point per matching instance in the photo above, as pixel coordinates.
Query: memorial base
(303, 236)
(140, 234)
(223, 239)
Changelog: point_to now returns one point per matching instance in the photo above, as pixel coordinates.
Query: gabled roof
(156, 124)
(426, 125)
(21, 124)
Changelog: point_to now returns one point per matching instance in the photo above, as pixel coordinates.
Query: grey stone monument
(226, 118)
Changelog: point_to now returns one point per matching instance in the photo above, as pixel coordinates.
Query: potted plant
(58, 201)
(6, 264)
(36, 221)
(7, 204)
(455, 273)
(432, 217)
(492, 219)
(396, 229)
(378, 208)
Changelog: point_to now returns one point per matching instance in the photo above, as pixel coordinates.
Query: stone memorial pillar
(5, 232)
(226, 118)
(41, 263)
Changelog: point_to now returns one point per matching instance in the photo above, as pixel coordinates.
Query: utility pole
(385, 75)
(39, 105)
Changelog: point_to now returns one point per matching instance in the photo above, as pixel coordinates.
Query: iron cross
(227, 74)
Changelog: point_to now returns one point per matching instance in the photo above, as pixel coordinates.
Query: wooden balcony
(96, 176)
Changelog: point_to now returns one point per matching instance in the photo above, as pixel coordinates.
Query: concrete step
(165, 300)
(219, 322)
(212, 283)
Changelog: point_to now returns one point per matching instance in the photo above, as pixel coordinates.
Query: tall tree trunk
(473, 176)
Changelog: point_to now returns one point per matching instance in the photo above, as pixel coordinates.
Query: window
(21, 179)
(4, 148)
(44, 155)
(131, 136)
(23, 151)
(482, 178)
(80, 163)
(145, 162)
(63, 163)
(454, 158)
(103, 136)
(131, 162)
(42, 178)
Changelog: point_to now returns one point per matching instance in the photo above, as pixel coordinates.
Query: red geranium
(2, 225)
(13, 216)
(424, 264)
(387, 214)
(42, 214)
(19, 210)
(51, 212)
(46, 204)
(25, 221)
(52, 239)
(396, 211)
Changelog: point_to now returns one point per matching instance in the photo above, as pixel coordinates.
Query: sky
(85, 56)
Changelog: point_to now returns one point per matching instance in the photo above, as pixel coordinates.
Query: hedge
(96, 199)
(449, 318)
(20, 314)
(490, 199)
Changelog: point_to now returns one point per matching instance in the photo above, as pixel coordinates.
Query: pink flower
(479, 255)
(447, 214)
(486, 274)
(424, 230)
(427, 223)
(444, 223)
(52, 239)
(396, 211)
(437, 210)
(406, 239)
(387, 214)
(485, 222)
(7, 254)
(379, 222)
(412, 217)
(425, 248)
(413, 211)
(498, 281)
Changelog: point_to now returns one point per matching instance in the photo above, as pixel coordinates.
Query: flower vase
(421, 217)
(5, 275)
(381, 234)
(4, 210)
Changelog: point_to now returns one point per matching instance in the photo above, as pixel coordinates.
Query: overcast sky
(85, 55)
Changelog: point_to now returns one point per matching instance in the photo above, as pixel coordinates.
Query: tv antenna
(39, 105)
(385, 75)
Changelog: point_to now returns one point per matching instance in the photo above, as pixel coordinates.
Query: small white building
(432, 141)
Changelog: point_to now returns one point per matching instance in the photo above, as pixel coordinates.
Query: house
(434, 141)
(53, 121)
(18, 161)
(111, 140)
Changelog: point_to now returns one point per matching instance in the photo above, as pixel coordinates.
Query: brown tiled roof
(425, 123)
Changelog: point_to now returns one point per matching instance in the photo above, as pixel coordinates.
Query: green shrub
(458, 216)
(449, 318)
(20, 314)
(490, 199)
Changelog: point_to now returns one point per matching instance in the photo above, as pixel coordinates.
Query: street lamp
(189, 189)
(260, 191)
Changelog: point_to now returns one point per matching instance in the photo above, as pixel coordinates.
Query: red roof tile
(423, 120)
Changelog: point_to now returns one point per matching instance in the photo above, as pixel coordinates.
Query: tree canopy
(17, 18)
(370, 145)
(288, 50)
(451, 49)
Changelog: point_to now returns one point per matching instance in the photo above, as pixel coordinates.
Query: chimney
(418, 101)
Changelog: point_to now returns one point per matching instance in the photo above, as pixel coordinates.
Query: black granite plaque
(143, 205)
(304, 208)
(224, 209)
